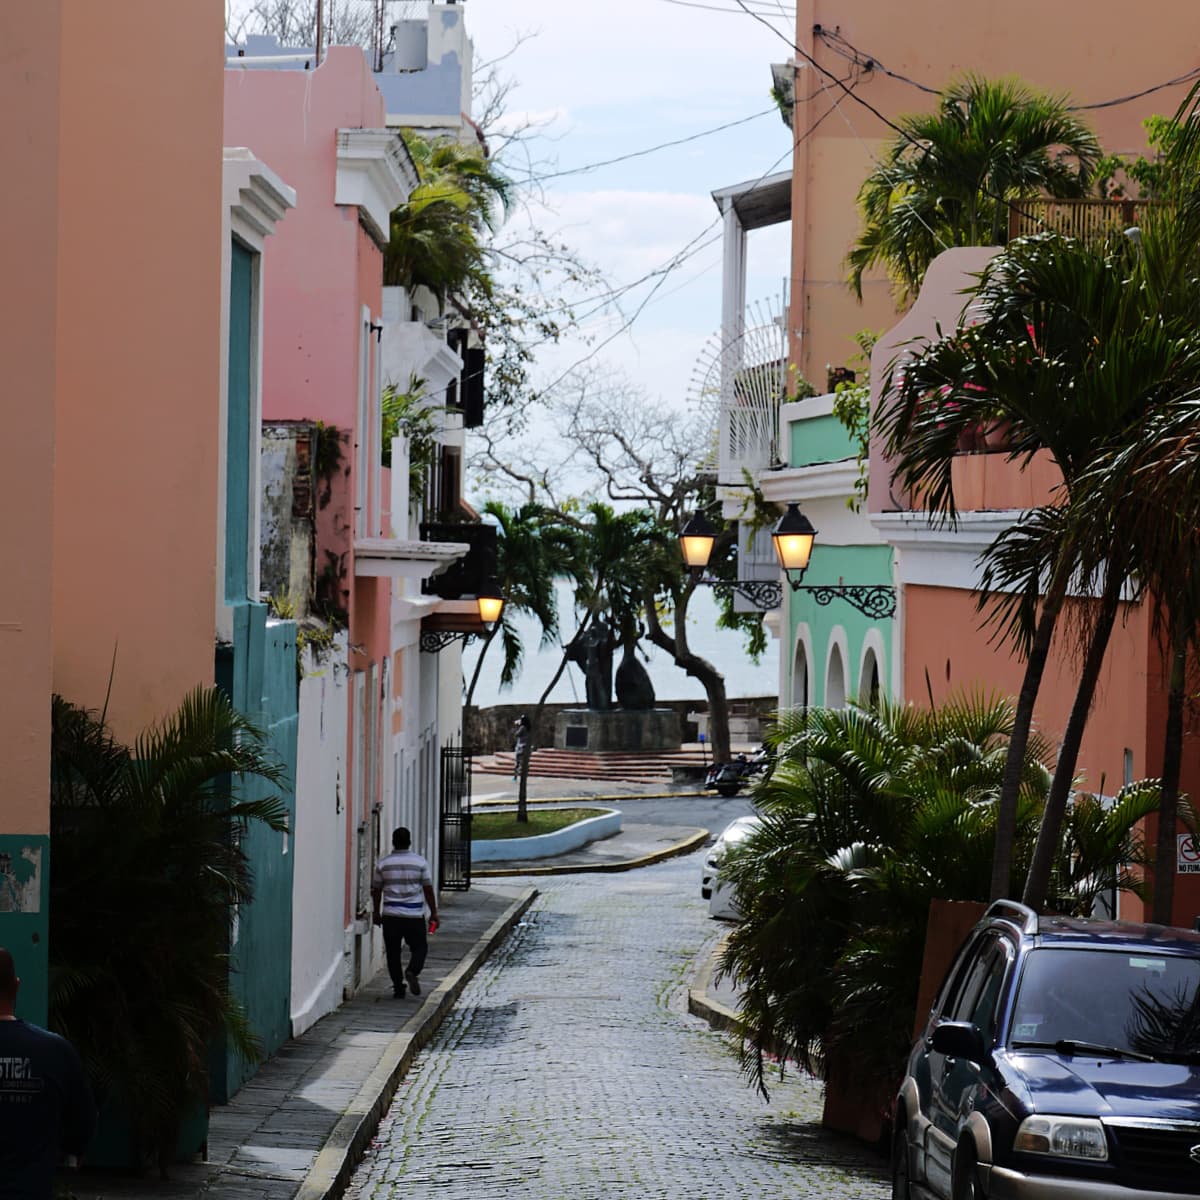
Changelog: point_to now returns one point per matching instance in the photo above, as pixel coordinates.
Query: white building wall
(318, 891)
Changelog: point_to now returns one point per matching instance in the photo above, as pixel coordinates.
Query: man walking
(400, 889)
(46, 1108)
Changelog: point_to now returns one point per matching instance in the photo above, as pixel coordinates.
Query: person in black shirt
(46, 1108)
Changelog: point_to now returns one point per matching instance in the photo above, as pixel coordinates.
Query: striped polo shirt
(400, 876)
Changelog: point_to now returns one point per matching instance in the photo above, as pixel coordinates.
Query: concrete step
(627, 766)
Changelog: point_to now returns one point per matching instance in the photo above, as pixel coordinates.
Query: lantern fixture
(491, 602)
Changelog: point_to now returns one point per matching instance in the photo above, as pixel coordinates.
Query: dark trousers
(397, 931)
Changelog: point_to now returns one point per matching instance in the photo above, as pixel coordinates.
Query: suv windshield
(1141, 1002)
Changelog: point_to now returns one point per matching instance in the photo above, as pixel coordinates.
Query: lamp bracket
(875, 600)
(435, 643)
(762, 593)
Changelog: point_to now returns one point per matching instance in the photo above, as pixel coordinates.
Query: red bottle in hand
(433, 924)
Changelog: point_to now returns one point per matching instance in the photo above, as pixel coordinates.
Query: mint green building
(837, 633)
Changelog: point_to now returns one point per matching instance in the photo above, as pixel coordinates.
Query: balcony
(1087, 220)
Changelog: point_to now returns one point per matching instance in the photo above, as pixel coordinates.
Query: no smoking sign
(1188, 855)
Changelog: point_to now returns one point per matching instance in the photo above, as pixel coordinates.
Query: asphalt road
(570, 1069)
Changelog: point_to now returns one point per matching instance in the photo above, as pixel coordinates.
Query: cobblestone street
(570, 1070)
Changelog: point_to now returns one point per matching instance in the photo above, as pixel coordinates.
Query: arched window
(835, 679)
(800, 692)
(868, 683)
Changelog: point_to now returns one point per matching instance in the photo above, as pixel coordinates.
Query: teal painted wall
(237, 459)
(818, 440)
(25, 916)
(851, 565)
(258, 673)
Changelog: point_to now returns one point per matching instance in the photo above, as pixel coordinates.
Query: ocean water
(725, 650)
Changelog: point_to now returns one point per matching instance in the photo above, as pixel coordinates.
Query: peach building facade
(1072, 46)
(880, 51)
(111, 336)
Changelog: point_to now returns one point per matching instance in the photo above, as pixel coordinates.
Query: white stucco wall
(318, 894)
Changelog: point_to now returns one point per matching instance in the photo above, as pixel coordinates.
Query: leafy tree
(147, 852)
(947, 177)
(436, 237)
(642, 454)
(869, 814)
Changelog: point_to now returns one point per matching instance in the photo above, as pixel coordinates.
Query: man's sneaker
(413, 982)
(398, 993)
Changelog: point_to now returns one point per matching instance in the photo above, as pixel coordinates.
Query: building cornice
(375, 172)
(400, 558)
(258, 199)
(819, 481)
(936, 554)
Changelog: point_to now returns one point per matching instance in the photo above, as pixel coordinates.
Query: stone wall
(490, 730)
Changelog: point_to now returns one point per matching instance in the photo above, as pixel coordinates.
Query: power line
(788, 15)
(608, 162)
(846, 49)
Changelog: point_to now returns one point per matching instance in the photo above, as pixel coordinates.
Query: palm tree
(868, 816)
(608, 557)
(436, 238)
(948, 177)
(147, 851)
(533, 552)
(1067, 353)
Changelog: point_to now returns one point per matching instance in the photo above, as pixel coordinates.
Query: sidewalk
(298, 1128)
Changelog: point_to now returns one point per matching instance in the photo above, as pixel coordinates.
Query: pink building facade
(322, 130)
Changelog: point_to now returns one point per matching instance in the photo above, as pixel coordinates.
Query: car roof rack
(1012, 910)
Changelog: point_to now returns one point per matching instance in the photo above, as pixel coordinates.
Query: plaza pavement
(299, 1126)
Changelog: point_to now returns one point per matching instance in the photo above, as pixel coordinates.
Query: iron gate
(454, 856)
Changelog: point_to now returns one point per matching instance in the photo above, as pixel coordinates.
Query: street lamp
(793, 538)
(696, 541)
(490, 601)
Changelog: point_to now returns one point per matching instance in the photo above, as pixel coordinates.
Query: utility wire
(836, 42)
(608, 162)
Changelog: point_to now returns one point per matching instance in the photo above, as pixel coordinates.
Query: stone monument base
(618, 729)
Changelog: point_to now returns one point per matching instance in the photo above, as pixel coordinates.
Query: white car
(719, 894)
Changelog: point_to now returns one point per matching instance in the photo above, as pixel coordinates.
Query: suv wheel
(966, 1176)
(900, 1164)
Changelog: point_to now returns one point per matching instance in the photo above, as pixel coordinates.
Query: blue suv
(1061, 1060)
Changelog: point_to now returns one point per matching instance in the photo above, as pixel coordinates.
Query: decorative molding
(257, 198)
(936, 555)
(375, 173)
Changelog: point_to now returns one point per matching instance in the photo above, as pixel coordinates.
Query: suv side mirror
(959, 1039)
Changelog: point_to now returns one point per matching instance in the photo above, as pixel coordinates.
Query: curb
(700, 1004)
(684, 847)
(330, 1173)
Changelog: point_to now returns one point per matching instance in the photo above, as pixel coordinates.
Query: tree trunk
(487, 645)
(523, 781)
(1038, 880)
(698, 668)
(1010, 787)
(1168, 808)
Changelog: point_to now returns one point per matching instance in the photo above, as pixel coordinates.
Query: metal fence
(454, 856)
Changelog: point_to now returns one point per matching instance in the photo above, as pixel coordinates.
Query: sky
(604, 79)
